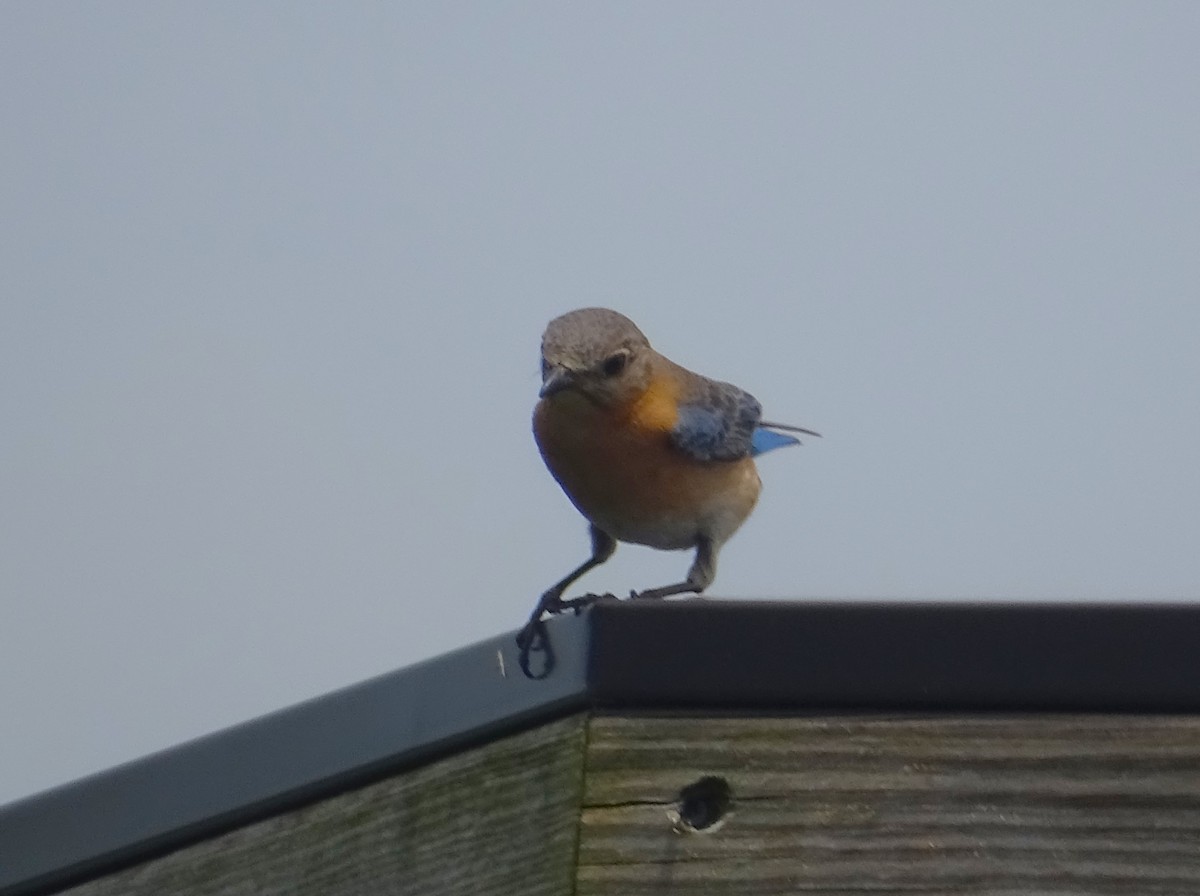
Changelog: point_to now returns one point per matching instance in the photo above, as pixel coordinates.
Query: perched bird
(649, 452)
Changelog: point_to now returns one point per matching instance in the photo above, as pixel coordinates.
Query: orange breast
(619, 468)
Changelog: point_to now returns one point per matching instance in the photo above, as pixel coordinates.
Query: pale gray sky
(273, 277)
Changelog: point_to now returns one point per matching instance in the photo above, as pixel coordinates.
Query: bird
(649, 452)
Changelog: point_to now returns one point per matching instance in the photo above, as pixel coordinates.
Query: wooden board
(947, 805)
(501, 819)
(1048, 805)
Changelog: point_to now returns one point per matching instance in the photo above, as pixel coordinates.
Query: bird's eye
(614, 364)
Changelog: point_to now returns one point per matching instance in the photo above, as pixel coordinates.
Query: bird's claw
(644, 594)
(579, 604)
(533, 637)
(556, 605)
(527, 635)
(553, 605)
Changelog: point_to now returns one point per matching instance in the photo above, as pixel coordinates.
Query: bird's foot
(552, 603)
(665, 591)
(533, 632)
(649, 593)
(533, 638)
(579, 604)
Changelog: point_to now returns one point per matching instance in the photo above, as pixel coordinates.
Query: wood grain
(1049, 805)
(953, 804)
(498, 819)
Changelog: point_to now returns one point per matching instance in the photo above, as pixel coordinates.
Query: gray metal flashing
(270, 764)
(692, 655)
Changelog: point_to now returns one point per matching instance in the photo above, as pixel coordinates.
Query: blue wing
(718, 423)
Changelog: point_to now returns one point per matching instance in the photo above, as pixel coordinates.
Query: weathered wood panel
(499, 819)
(818, 805)
(946, 805)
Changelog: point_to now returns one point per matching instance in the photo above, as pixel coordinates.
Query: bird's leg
(532, 636)
(552, 601)
(700, 576)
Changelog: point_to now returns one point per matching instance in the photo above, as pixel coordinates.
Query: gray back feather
(716, 422)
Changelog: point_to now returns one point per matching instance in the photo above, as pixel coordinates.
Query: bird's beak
(556, 380)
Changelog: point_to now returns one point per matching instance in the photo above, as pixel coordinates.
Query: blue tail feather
(764, 440)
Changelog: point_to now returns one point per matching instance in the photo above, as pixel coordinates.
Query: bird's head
(597, 353)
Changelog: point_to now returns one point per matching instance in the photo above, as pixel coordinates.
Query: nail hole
(703, 806)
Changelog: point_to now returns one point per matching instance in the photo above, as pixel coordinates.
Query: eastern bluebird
(649, 453)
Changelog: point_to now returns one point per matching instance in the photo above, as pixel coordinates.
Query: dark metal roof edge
(296, 755)
(897, 656)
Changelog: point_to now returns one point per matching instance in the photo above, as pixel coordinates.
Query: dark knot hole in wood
(703, 805)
